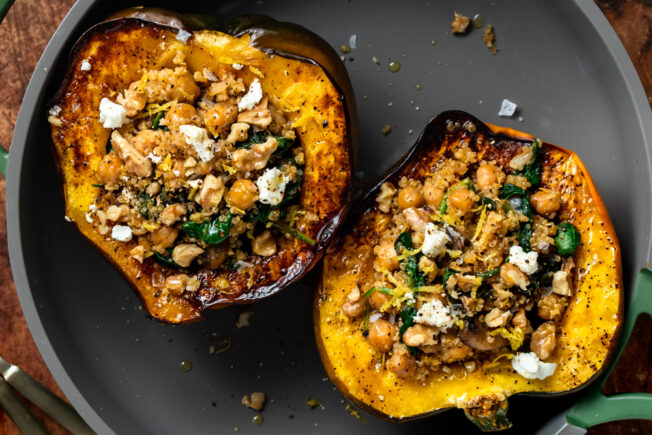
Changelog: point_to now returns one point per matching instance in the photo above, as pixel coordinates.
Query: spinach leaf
(167, 260)
(488, 274)
(510, 190)
(484, 291)
(448, 272)
(415, 278)
(403, 241)
(466, 182)
(524, 236)
(491, 205)
(284, 143)
(567, 239)
(533, 169)
(157, 120)
(521, 203)
(407, 316)
(543, 276)
(212, 233)
(253, 139)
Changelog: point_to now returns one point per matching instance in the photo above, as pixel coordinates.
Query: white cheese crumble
(434, 241)
(154, 158)
(112, 115)
(239, 265)
(271, 186)
(507, 108)
(67, 218)
(434, 313)
(85, 65)
(526, 261)
(121, 233)
(183, 36)
(198, 138)
(92, 208)
(243, 319)
(374, 317)
(530, 366)
(237, 66)
(252, 97)
(195, 185)
(54, 110)
(89, 219)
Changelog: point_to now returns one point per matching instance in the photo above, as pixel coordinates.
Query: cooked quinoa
(471, 265)
(202, 170)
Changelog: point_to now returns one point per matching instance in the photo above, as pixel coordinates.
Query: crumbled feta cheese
(92, 208)
(176, 173)
(530, 366)
(183, 36)
(239, 265)
(195, 185)
(67, 218)
(252, 97)
(526, 261)
(209, 75)
(198, 138)
(243, 319)
(112, 115)
(121, 233)
(85, 65)
(237, 66)
(434, 241)
(154, 158)
(89, 219)
(434, 313)
(54, 110)
(353, 41)
(374, 317)
(271, 186)
(507, 108)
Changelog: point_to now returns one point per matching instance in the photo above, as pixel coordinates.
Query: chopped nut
(386, 129)
(138, 253)
(460, 23)
(211, 192)
(256, 401)
(384, 198)
(560, 283)
(172, 213)
(176, 283)
(117, 213)
(490, 38)
(238, 133)
(135, 162)
(246, 160)
(185, 253)
(496, 318)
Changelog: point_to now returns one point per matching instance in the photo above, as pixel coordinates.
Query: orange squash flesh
(119, 52)
(589, 328)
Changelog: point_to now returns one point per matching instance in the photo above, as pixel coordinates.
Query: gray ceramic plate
(559, 60)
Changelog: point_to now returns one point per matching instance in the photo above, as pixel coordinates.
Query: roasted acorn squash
(588, 330)
(298, 71)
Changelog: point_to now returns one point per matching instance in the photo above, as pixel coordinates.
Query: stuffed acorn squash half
(211, 168)
(483, 265)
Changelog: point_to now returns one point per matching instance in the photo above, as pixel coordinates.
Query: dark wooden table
(23, 36)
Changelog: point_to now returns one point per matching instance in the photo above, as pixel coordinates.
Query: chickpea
(219, 118)
(163, 238)
(401, 365)
(432, 193)
(546, 202)
(410, 197)
(180, 114)
(243, 194)
(487, 175)
(176, 283)
(386, 257)
(381, 335)
(463, 199)
(543, 340)
(377, 299)
(550, 307)
(110, 168)
(264, 244)
(354, 308)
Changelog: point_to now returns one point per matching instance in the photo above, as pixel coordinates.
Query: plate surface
(559, 61)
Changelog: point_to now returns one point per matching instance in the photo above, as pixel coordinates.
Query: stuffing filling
(472, 265)
(202, 170)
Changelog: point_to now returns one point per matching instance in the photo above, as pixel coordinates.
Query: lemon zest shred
(515, 336)
(255, 71)
(478, 228)
(459, 323)
(496, 362)
(454, 253)
(408, 253)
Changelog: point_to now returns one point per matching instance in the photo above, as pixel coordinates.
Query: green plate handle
(595, 407)
(4, 157)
